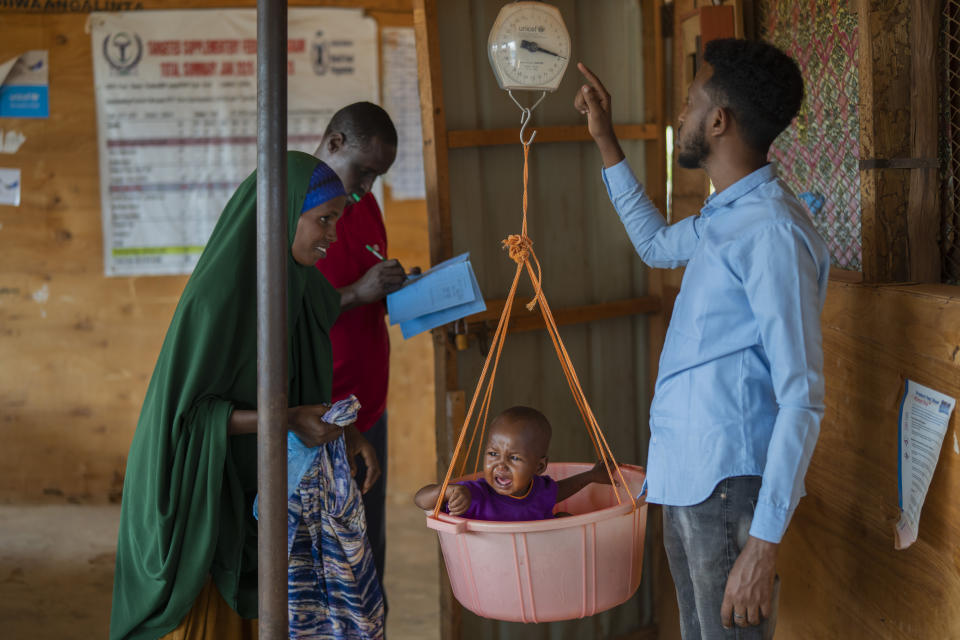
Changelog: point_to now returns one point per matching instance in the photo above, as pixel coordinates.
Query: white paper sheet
(444, 294)
(401, 99)
(176, 116)
(924, 416)
(10, 187)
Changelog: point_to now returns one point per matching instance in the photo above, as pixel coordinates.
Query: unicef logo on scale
(123, 51)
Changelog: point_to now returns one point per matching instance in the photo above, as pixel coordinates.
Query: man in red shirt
(360, 144)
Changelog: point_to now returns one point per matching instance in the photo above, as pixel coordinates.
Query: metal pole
(272, 249)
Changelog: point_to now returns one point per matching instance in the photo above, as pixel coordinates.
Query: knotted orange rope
(520, 250)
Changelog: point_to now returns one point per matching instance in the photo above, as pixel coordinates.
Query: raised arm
(569, 486)
(657, 243)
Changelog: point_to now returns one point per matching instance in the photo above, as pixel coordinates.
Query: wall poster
(176, 99)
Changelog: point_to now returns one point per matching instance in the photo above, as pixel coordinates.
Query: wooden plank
(458, 139)
(391, 19)
(521, 319)
(658, 284)
(845, 275)
(885, 90)
(451, 611)
(923, 204)
(80, 8)
(435, 164)
(841, 575)
(434, 125)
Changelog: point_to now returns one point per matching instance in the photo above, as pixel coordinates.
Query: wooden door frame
(437, 140)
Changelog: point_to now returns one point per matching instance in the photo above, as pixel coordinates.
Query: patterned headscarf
(324, 186)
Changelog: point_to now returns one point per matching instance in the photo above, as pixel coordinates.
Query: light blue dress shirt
(740, 386)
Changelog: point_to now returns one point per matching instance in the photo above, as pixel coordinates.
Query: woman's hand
(307, 422)
(357, 445)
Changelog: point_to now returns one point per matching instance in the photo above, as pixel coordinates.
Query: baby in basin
(512, 489)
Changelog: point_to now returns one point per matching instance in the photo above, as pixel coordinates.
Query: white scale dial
(529, 47)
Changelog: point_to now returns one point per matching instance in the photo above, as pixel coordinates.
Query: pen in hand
(407, 276)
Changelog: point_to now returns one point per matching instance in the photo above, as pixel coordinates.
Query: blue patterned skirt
(331, 580)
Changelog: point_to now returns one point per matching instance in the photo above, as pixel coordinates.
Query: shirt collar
(738, 189)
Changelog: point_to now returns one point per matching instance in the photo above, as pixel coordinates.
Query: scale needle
(533, 47)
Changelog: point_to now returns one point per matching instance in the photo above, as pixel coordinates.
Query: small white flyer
(10, 187)
(924, 416)
(401, 99)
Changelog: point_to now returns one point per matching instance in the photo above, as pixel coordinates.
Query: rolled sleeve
(781, 278)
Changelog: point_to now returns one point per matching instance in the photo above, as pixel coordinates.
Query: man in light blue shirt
(739, 395)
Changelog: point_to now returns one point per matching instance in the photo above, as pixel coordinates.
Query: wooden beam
(462, 138)
(923, 203)
(845, 275)
(655, 162)
(885, 90)
(523, 320)
(433, 117)
(437, 179)
(371, 5)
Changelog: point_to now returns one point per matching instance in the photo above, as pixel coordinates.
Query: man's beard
(695, 151)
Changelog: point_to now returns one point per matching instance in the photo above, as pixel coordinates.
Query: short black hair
(758, 83)
(361, 122)
(537, 427)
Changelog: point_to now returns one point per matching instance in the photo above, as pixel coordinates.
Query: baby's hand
(599, 473)
(458, 499)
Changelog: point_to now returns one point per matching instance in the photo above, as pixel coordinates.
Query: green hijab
(189, 487)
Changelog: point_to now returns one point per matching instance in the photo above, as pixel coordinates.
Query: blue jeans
(702, 543)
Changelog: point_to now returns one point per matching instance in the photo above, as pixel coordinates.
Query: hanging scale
(529, 49)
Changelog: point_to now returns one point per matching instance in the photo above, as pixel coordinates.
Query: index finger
(593, 79)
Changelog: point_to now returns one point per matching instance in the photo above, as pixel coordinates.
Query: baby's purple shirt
(487, 504)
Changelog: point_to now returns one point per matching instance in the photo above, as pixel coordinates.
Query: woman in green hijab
(187, 540)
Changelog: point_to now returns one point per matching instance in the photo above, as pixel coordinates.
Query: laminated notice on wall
(176, 99)
(10, 187)
(924, 416)
(25, 86)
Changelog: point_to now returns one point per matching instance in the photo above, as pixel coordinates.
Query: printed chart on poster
(401, 99)
(177, 117)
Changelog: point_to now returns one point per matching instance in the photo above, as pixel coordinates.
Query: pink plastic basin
(546, 570)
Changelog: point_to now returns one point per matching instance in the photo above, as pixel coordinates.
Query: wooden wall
(841, 576)
(77, 348)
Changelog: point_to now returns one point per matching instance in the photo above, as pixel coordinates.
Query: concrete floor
(56, 572)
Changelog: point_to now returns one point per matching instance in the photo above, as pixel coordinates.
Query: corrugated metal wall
(585, 254)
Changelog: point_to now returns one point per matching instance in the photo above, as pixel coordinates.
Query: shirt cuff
(619, 179)
(770, 522)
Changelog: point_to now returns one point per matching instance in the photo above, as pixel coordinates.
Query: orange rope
(520, 250)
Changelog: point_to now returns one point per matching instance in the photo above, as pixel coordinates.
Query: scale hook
(525, 115)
